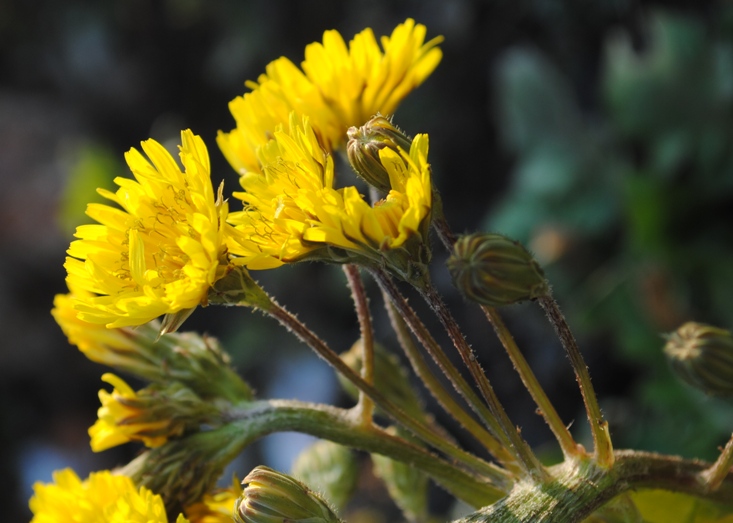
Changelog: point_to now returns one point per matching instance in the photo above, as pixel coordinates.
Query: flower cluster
(103, 496)
(170, 244)
(338, 87)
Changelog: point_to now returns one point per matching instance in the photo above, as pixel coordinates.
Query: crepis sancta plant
(171, 242)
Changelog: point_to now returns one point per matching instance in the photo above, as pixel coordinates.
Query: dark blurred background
(598, 133)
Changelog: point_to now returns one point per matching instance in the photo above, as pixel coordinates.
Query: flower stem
(260, 418)
(441, 395)
(568, 445)
(417, 427)
(598, 425)
(442, 360)
(521, 449)
(714, 476)
(361, 305)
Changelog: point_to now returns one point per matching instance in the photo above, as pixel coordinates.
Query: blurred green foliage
(92, 166)
(629, 206)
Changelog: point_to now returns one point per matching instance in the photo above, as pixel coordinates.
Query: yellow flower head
(292, 210)
(111, 347)
(101, 498)
(162, 251)
(121, 419)
(216, 506)
(339, 86)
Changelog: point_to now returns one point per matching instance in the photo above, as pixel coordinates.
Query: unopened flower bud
(273, 497)
(330, 468)
(364, 145)
(702, 356)
(494, 270)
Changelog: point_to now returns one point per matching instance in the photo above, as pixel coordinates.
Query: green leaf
(660, 506)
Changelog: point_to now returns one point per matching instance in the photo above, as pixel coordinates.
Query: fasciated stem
(568, 445)
(417, 427)
(438, 391)
(361, 305)
(260, 418)
(603, 447)
(519, 446)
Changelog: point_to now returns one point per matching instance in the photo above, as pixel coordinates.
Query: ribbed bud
(494, 270)
(364, 145)
(273, 497)
(329, 468)
(407, 486)
(702, 356)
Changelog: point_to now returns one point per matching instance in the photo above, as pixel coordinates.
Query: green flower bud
(273, 497)
(493, 270)
(702, 356)
(407, 486)
(364, 145)
(330, 468)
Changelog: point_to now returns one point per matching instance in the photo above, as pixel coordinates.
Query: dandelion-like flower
(101, 498)
(338, 87)
(292, 211)
(162, 251)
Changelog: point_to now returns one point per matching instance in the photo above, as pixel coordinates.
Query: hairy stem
(260, 418)
(599, 426)
(446, 366)
(417, 427)
(580, 487)
(441, 395)
(521, 449)
(361, 305)
(715, 475)
(568, 445)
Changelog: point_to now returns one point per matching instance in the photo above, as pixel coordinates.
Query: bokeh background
(598, 133)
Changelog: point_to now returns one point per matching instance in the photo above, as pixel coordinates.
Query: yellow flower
(216, 506)
(292, 210)
(102, 498)
(338, 87)
(113, 347)
(162, 251)
(121, 420)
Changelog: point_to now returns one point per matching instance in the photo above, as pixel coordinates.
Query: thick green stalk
(260, 418)
(580, 487)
